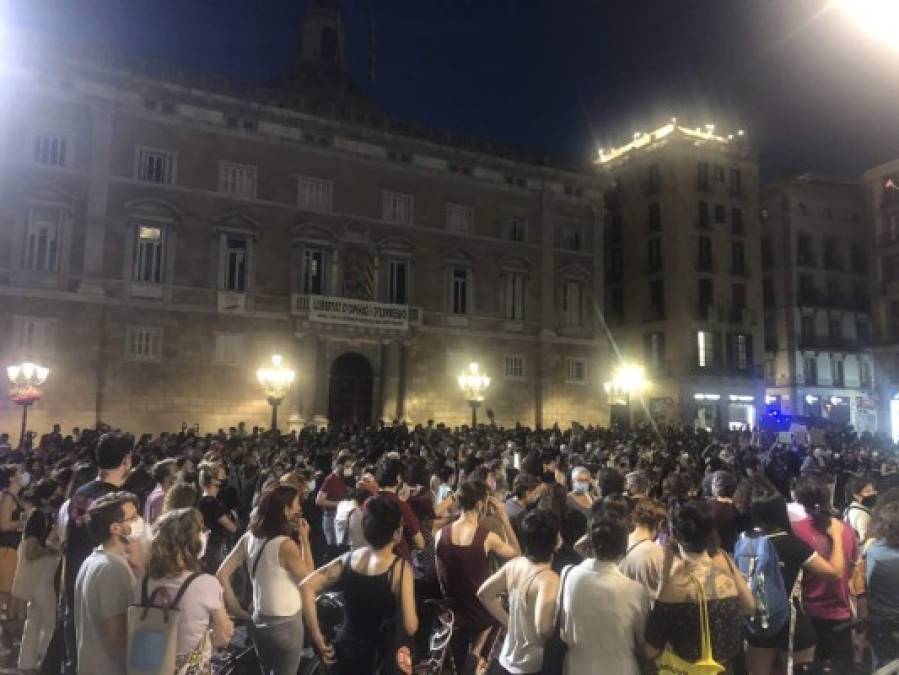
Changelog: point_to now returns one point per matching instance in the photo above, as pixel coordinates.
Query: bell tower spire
(322, 36)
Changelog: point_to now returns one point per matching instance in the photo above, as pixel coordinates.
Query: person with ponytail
(826, 601)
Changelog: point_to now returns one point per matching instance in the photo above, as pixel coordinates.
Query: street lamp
(627, 379)
(25, 381)
(275, 382)
(473, 384)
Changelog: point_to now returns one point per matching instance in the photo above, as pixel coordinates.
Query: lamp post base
(24, 425)
(274, 403)
(474, 412)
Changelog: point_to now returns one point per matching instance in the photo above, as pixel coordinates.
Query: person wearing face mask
(332, 492)
(858, 513)
(174, 558)
(580, 498)
(277, 565)
(218, 520)
(390, 482)
(463, 548)
(104, 586)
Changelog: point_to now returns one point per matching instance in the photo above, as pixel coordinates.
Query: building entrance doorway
(350, 391)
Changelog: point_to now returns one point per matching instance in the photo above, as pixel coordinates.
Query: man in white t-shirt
(104, 586)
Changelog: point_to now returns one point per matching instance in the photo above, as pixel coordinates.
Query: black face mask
(869, 501)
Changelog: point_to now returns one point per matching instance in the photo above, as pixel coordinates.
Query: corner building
(162, 234)
(816, 295)
(881, 184)
(682, 272)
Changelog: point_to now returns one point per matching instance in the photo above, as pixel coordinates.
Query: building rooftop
(645, 139)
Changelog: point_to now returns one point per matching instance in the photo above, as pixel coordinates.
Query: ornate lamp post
(627, 379)
(473, 384)
(26, 380)
(275, 382)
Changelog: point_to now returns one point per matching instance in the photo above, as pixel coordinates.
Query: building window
(810, 370)
(33, 337)
(835, 326)
(654, 348)
(736, 186)
(657, 298)
(514, 296)
(516, 230)
(571, 303)
(837, 372)
(229, 349)
(616, 301)
(237, 179)
(144, 343)
(807, 330)
(616, 264)
(736, 221)
(704, 260)
(720, 214)
(514, 367)
(41, 253)
(767, 254)
(314, 194)
(571, 238)
(741, 351)
(313, 271)
(654, 255)
(459, 218)
(459, 290)
(706, 293)
(397, 207)
(703, 219)
(738, 258)
(719, 174)
(148, 254)
(397, 282)
(702, 175)
(864, 374)
(858, 259)
(155, 166)
(50, 149)
(577, 371)
(705, 344)
(655, 217)
(770, 371)
(235, 272)
(768, 293)
(805, 254)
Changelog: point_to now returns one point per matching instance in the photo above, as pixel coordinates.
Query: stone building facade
(682, 272)
(881, 185)
(162, 234)
(816, 295)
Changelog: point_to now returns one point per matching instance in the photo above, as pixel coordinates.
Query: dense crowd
(585, 550)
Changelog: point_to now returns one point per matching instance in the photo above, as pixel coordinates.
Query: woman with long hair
(277, 565)
(13, 480)
(826, 601)
(175, 551)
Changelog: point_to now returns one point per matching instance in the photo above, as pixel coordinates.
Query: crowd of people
(584, 550)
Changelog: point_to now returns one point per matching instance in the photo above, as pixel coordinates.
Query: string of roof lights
(644, 138)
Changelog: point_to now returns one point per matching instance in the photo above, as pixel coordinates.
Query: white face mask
(24, 479)
(138, 529)
(204, 537)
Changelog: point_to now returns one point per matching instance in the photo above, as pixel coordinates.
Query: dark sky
(812, 90)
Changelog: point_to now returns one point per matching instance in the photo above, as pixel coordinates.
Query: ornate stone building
(162, 234)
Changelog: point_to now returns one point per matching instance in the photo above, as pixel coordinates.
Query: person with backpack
(276, 566)
(174, 573)
(772, 558)
(858, 513)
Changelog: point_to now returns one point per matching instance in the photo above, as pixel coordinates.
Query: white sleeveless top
(274, 592)
(522, 650)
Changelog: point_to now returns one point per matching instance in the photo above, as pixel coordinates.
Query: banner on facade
(349, 312)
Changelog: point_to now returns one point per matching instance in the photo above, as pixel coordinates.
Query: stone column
(97, 201)
(403, 354)
(319, 386)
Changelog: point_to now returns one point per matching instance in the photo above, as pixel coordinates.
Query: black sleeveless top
(12, 539)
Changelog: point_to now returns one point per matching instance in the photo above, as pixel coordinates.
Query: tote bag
(153, 632)
(669, 663)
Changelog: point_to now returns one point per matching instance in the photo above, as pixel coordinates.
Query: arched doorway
(350, 390)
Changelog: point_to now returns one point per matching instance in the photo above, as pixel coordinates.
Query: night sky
(562, 77)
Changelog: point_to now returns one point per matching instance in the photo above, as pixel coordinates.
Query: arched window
(328, 45)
